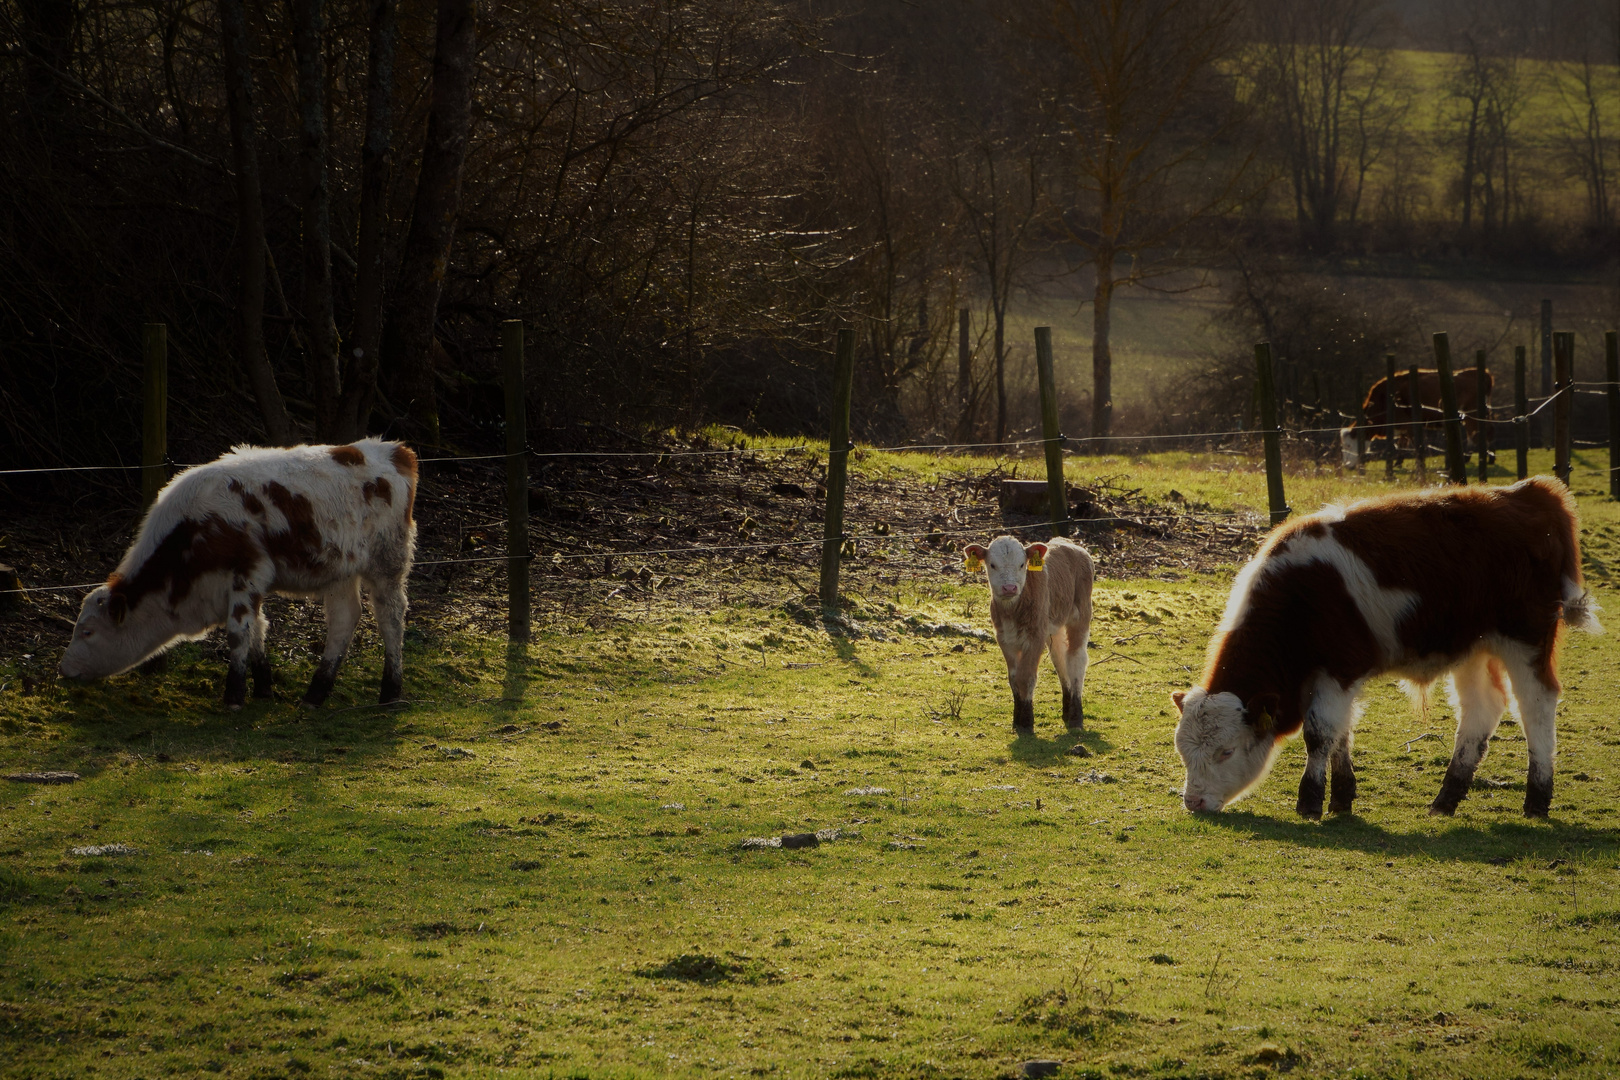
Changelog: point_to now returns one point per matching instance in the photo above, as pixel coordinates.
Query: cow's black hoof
(393, 684)
(263, 681)
(1073, 714)
(1311, 794)
(1024, 716)
(1442, 809)
(235, 688)
(1340, 808)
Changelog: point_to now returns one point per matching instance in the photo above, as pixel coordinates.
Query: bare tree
(1485, 92)
(433, 214)
(1136, 88)
(999, 185)
(320, 336)
(250, 214)
(1330, 99)
(376, 162)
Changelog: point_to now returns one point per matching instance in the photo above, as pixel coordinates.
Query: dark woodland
(333, 204)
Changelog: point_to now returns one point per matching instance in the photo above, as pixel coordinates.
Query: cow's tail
(1581, 609)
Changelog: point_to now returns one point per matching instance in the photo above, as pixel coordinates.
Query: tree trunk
(376, 161)
(1102, 357)
(433, 215)
(320, 326)
(47, 35)
(250, 213)
(1001, 372)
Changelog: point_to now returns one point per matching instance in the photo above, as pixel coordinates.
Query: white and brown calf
(306, 521)
(1040, 598)
(1474, 584)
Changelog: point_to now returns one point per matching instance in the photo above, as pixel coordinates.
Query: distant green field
(538, 868)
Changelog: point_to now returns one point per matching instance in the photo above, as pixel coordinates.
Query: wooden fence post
(1389, 416)
(154, 411)
(1269, 433)
(1056, 491)
(1521, 412)
(1482, 415)
(1456, 468)
(964, 379)
(1563, 362)
(1420, 461)
(517, 483)
(1611, 372)
(838, 447)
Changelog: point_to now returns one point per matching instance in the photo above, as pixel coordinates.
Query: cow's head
(1227, 746)
(1353, 444)
(110, 637)
(1008, 564)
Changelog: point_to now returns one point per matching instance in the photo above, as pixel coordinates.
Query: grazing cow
(309, 521)
(1467, 582)
(1354, 440)
(1051, 608)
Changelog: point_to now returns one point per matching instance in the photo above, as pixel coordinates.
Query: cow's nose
(1009, 590)
(1195, 803)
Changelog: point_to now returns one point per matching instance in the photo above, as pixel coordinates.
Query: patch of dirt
(689, 525)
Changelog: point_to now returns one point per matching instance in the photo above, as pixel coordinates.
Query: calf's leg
(1022, 667)
(239, 619)
(1342, 793)
(342, 615)
(258, 657)
(1536, 687)
(1480, 699)
(1070, 661)
(1327, 727)
(388, 608)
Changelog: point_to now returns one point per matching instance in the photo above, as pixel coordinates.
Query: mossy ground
(535, 868)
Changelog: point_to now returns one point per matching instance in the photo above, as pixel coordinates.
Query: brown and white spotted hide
(307, 521)
(1034, 610)
(1472, 584)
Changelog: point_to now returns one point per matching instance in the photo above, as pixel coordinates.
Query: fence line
(903, 448)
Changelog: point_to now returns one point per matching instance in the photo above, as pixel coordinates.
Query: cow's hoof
(306, 705)
(1340, 808)
(1309, 815)
(1536, 811)
(1023, 731)
(1442, 809)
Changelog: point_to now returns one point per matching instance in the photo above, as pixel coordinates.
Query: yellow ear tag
(1035, 564)
(972, 564)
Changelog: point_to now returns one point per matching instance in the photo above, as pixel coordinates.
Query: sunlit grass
(536, 866)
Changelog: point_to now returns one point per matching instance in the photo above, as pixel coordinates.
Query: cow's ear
(1178, 697)
(1036, 553)
(117, 608)
(1262, 713)
(974, 560)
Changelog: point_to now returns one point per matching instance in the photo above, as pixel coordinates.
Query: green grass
(536, 868)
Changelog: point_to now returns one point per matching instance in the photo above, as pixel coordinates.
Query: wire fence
(1430, 417)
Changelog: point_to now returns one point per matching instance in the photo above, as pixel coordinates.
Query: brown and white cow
(1355, 439)
(1470, 583)
(1040, 598)
(305, 521)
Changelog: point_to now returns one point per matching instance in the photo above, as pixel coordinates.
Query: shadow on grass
(515, 683)
(1494, 841)
(1044, 753)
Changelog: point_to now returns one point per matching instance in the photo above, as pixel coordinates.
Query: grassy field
(538, 867)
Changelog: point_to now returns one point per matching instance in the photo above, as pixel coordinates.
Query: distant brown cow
(1355, 438)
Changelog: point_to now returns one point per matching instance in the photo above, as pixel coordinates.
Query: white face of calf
(1006, 562)
(1225, 754)
(108, 638)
